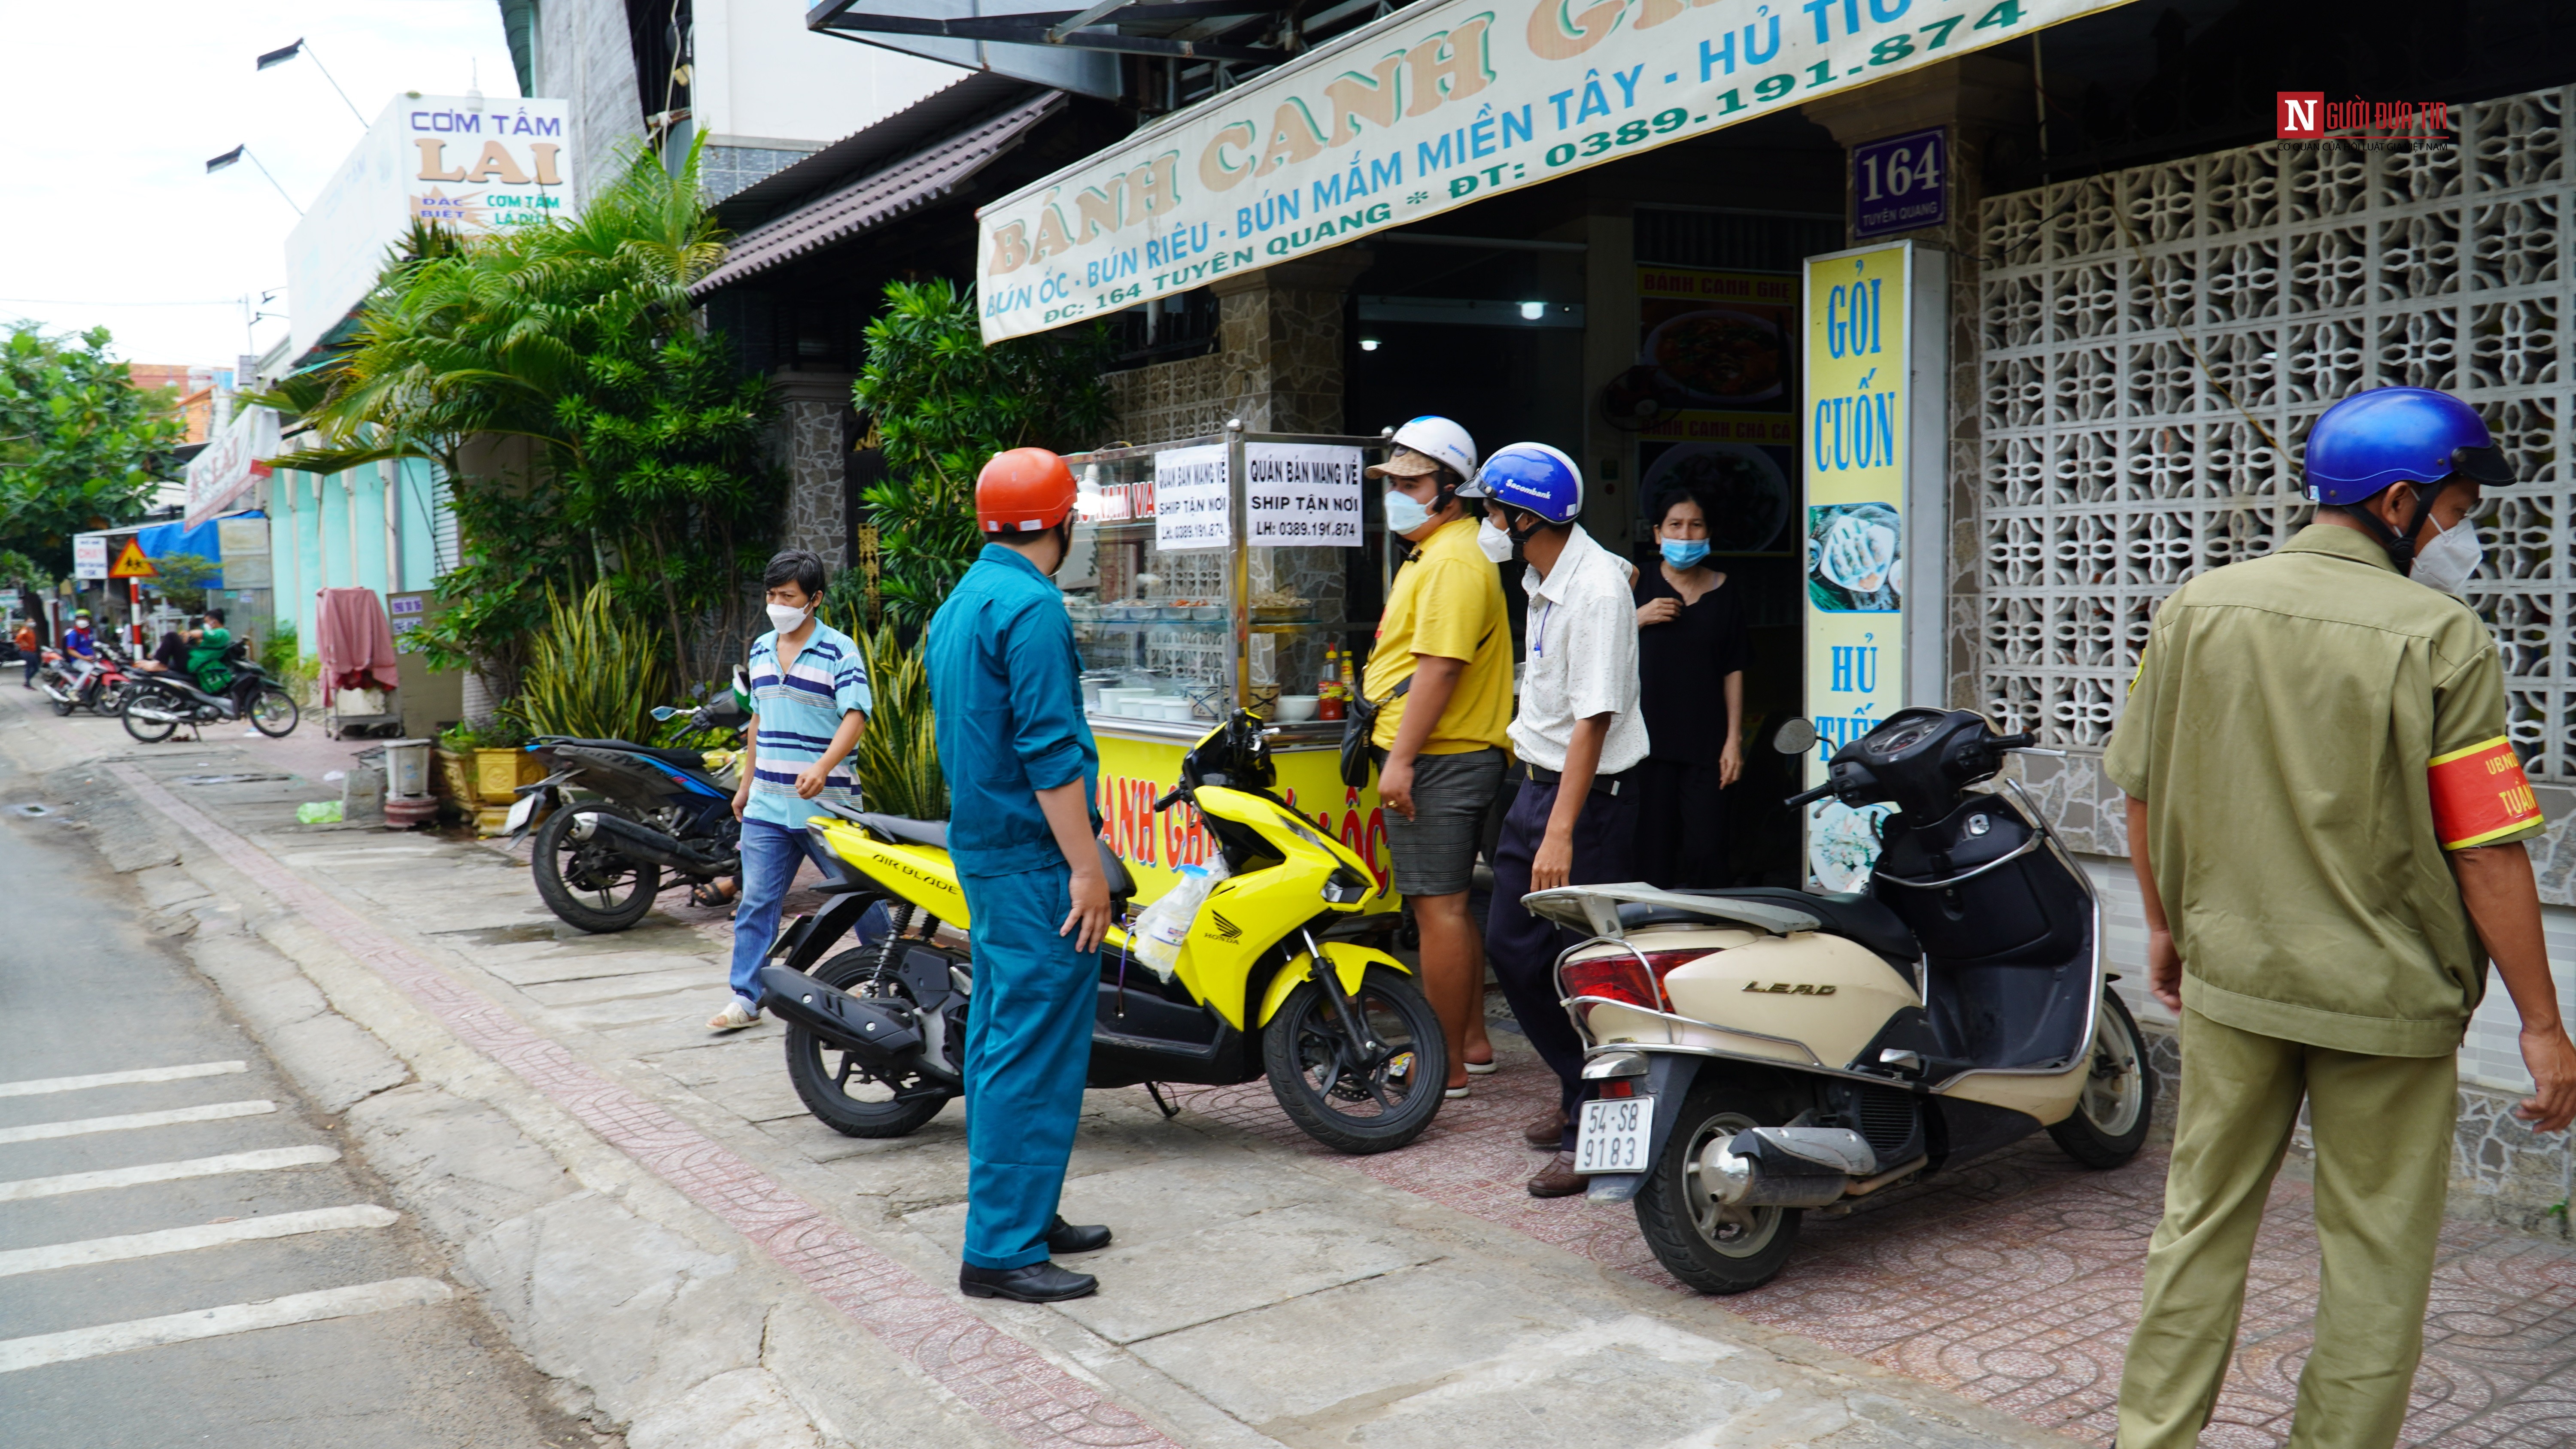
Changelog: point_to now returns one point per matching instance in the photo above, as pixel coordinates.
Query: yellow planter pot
(498, 774)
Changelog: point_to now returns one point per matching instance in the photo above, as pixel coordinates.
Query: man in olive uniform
(2326, 823)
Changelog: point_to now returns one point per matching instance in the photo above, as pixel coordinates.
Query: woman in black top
(1691, 653)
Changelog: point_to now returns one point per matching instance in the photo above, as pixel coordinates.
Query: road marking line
(82, 1126)
(189, 1239)
(79, 1343)
(259, 1161)
(40, 1085)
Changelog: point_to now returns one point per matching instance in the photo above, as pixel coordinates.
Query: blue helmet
(2390, 435)
(1533, 476)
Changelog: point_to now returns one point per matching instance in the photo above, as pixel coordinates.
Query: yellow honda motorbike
(876, 1034)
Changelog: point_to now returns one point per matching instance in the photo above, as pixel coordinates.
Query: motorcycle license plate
(1613, 1135)
(519, 813)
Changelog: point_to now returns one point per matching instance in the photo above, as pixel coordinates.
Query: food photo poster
(1713, 389)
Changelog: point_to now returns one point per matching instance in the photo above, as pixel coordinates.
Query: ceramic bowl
(1295, 708)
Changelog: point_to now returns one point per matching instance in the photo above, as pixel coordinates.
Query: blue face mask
(1403, 515)
(1685, 553)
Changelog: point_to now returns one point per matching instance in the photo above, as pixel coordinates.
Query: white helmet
(1442, 440)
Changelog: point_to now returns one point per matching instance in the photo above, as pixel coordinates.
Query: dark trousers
(1681, 824)
(1523, 948)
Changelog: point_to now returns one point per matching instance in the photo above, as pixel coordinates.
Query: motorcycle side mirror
(1796, 737)
(663, 712)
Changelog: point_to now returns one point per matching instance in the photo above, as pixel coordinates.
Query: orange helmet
(1025, 490)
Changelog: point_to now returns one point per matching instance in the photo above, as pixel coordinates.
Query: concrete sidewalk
(658, 1222)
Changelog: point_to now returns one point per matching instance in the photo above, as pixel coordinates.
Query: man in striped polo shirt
(809, 700)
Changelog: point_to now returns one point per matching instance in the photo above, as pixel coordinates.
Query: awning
(1438, 105)
(908, 185)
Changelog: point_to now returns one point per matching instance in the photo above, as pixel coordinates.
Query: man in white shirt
(1579, 737)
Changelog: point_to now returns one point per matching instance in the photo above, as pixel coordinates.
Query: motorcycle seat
(1122, 885)
(933, 833)
(683, 759)
(1863, 920)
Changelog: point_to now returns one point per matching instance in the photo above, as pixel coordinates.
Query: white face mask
(786, 620)
(1496, 543)
(2452, 556)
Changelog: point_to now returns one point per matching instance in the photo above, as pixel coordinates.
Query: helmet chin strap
(2401, 549)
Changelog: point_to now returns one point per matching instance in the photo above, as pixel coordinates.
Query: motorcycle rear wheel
(581, 880)
(826, 1086)
(270, 706)
(1711, 1248)
(1348, 1104)
(158, 727)
(66, 706)
(112, 698)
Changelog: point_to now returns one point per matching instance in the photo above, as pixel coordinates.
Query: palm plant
(579, 336)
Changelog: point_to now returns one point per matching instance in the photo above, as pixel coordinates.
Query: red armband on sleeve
(2478, 794)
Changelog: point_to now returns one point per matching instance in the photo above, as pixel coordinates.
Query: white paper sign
(89, 556)
(1190, 491)
(1300, 495)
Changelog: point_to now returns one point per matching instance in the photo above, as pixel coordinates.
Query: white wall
(762, 78)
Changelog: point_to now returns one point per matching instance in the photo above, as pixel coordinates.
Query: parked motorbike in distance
(613, 817)
(72, 682)
(1756, 1053)
(876, 1035)
(158, 703)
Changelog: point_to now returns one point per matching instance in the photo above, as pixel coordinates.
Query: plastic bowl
(1295, 708)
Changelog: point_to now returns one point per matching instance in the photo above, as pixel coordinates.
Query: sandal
(713, 893)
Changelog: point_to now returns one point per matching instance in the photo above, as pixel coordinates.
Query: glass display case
(1223, 571)
(1233, 570)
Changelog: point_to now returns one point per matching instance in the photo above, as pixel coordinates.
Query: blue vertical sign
(1901, 183)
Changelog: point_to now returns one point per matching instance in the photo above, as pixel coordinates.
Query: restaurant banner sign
(233, 461)
(1437, 106)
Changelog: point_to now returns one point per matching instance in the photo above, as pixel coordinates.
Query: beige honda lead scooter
(1754, 1053)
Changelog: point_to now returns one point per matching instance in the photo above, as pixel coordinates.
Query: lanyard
(1538, 634)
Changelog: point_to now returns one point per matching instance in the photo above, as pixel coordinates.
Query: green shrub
(896, 760)
(941, 404)
(595, 671)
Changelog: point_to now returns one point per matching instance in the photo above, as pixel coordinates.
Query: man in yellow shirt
(1441, 679)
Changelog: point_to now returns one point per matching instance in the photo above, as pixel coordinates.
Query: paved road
(143, 1312)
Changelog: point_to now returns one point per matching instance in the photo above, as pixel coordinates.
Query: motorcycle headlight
(1345, 887)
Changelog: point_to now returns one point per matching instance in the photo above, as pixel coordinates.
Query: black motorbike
(157, 704)
(613, 818)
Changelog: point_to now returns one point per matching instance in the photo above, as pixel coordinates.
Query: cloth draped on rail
(356, 642)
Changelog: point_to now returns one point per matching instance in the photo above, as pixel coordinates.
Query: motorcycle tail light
(1612, 978)
(1663, 962)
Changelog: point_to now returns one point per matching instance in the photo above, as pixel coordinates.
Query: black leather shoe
(1064, 1237)
(1035, 1283)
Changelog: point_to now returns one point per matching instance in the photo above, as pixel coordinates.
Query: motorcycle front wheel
(842, 1094)
(587, 882)
(1343, 1095)
(1709, 1246)
(2110, 1120)
(273, 713)
(147, 717)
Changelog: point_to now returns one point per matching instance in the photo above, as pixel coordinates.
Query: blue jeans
(770, 854)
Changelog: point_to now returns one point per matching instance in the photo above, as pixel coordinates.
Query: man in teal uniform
(1022, 770)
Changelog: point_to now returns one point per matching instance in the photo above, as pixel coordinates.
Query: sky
(113, 220)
